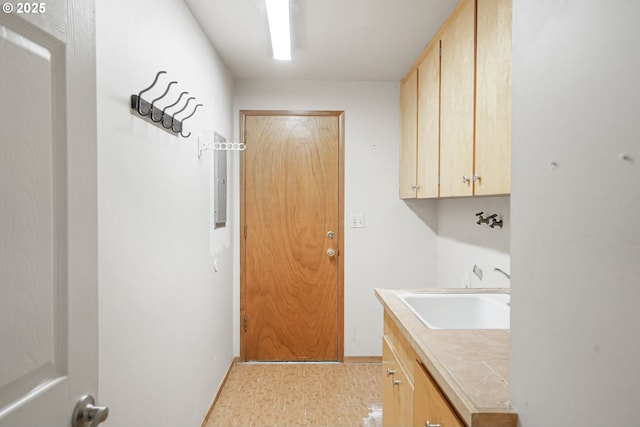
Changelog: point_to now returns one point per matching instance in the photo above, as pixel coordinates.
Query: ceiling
(331, 39)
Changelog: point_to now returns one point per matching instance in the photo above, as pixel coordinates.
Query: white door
(48, 211)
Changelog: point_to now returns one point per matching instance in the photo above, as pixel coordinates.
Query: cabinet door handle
(465, 179)
(428, 424)
(390, 372)
(395, 382)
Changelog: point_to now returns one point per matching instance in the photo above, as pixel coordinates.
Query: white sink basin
(460, 310)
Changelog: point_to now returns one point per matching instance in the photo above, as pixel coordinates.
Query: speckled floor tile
(300, 394)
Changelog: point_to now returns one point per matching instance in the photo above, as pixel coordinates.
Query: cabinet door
(429, 122)
(457, 103)
(408, 134)
(493, 98)
(429, 404)
(397, 391)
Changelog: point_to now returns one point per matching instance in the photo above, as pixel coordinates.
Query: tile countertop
(470, 366)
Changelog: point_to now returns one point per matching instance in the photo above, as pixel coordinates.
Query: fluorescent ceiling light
(278, 15)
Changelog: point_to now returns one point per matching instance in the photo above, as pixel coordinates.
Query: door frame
(340, 258)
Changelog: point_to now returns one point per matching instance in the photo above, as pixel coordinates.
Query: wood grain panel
(397, 400)
(400, 346)
(428, 151)
(291, 202)
(429, 403)
(493, 98)
(457, 101)
(408, 134)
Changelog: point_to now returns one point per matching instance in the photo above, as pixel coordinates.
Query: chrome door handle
(85, 414)
(465, 179)
(331, 252)
(428, 424)
(390, 372)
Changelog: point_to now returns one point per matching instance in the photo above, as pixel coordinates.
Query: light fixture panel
(279, 28)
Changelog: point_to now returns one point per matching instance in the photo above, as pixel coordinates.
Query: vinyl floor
(299, 394)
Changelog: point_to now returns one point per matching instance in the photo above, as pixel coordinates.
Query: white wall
(165, 314)
(462, 243)
(575, 209)
(397, 246)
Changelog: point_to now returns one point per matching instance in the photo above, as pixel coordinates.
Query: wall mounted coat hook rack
(159, 116)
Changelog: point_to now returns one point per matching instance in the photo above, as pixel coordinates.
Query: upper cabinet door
(457, 103)
(493, 98)
(429, 122)
(408, 134)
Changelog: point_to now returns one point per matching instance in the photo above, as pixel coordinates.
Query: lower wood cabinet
(410, 397)
(430, 407)
(397, 391)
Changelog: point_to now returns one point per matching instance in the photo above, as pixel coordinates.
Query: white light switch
(356, 220)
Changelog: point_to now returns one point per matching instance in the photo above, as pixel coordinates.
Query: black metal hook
(173, 119)
(145, 90)
(194, 111)
(159, 98)
(169, 106)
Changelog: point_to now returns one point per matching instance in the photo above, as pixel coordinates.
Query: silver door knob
(465, 179)
(331, 252)
(395, 382)
(330, 234)
(85, 414)
(390, 372)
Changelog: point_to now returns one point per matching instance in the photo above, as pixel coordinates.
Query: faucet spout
(507, 275)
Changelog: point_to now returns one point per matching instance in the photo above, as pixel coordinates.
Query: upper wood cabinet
(408, 134)
(420, 133)
(428, 150)
(456, 113)
(456, 107)
(493, 98)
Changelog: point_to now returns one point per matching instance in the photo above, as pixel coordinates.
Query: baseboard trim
(363, 359)
(217, 396)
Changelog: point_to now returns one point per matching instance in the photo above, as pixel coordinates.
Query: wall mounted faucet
(482, 220)
(490, 219)
(507, 275)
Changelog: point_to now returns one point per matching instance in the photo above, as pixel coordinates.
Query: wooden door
(292, 221)
(48, 212)
(493, 98)
(457, 101)
(429, 122)
(408, 135)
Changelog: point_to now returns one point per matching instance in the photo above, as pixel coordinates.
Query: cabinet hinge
(438, 180)
(440, 50)
(245, 139)
(245, 323)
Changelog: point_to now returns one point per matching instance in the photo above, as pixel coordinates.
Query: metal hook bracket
(158, 116)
